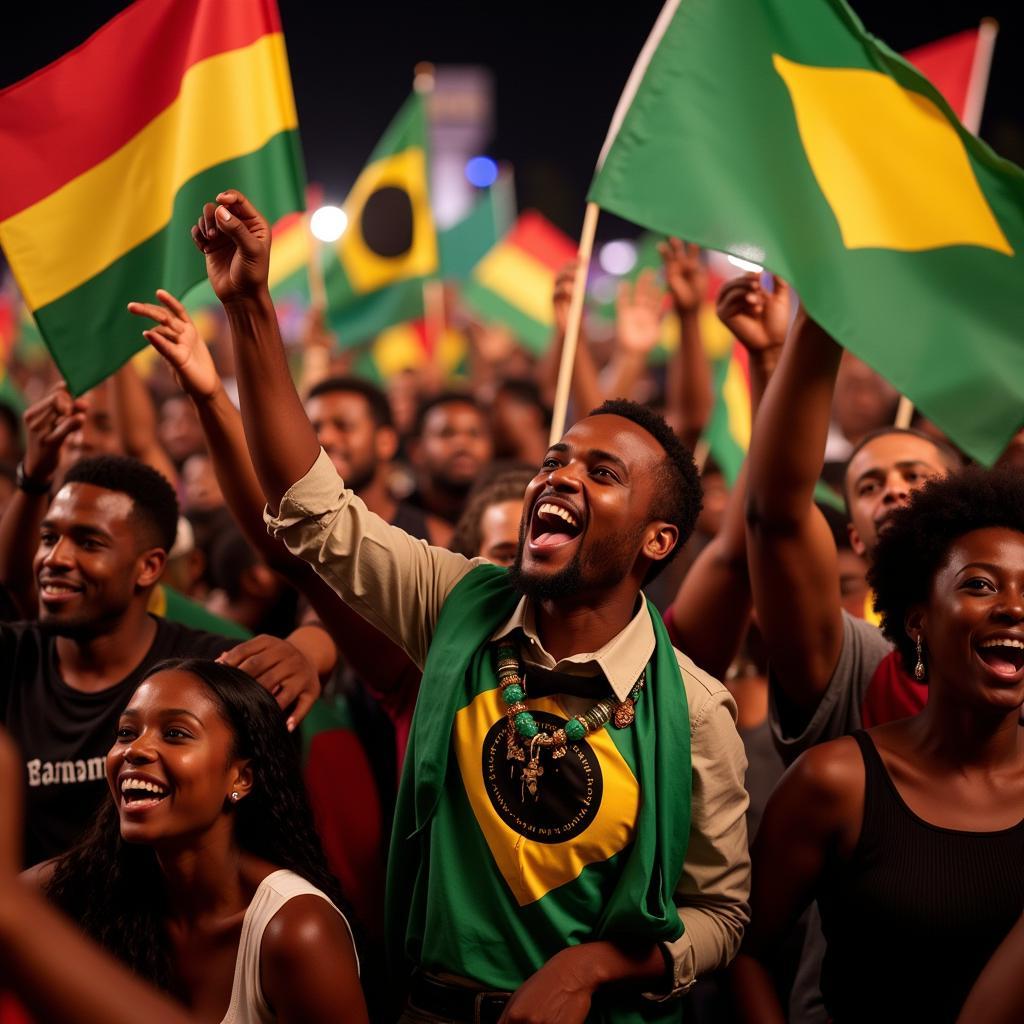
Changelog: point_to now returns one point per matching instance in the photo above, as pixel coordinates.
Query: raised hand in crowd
(689, 386)
(639, 310)
(48, 424)
(711, 611)
(586, 390)
(757, 317)
(235, 239)
(175, 337)
(685, 274)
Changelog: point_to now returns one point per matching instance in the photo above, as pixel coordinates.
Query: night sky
(558, 67)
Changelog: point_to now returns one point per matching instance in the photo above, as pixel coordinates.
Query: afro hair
(917, 539)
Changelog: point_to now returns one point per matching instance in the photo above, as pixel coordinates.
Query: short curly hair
(155, 505)
(679, 497)
(917, 539)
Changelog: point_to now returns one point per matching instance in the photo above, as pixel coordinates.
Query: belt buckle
(495, 1002)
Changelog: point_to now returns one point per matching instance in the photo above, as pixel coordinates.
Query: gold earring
(919, 667)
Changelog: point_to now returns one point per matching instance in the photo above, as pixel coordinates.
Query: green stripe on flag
(89, 331)
(367, 315)
(491, 306)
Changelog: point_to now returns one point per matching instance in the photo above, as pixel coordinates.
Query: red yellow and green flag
(901, 231)
(513, 284)
(110, 152)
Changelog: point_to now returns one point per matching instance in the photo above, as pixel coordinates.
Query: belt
(457, 1002)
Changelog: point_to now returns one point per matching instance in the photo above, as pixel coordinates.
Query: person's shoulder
(866, 636)
(174, 640)
(830, 772)
(703, 690)
(305, 926)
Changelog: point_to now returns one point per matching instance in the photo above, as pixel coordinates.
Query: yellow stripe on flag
(736, 395)
(889, 162)
(520, 280)
(290, 252)
(129, 197)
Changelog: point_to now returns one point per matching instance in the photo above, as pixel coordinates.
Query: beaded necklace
(523, 726)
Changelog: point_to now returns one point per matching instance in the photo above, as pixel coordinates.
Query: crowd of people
(324, 701)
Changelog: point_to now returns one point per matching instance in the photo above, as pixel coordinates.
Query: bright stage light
(618, 257)
(328, 223)
(481, 171)
(743, 264)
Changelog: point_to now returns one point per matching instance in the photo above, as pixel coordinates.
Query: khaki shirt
(399, 584)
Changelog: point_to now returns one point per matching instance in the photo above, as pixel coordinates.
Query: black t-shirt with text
(64, 734)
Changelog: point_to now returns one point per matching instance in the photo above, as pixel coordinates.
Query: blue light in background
(481, 171)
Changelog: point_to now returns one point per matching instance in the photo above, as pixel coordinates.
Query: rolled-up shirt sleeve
(713, 893)
(396, 582)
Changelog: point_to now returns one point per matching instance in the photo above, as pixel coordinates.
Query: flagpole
(572, 327)
(977, 85)
(974, 104)
(314, 271)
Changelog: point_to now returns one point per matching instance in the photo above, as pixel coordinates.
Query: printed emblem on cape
(567, 802)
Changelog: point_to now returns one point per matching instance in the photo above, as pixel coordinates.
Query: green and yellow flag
(110, 152)
(374, 274)
(808, 146)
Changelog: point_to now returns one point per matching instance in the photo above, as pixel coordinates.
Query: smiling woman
(877, 825)
(204, 873)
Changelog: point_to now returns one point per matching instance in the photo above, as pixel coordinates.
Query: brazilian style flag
(806, 145)
(374, 274)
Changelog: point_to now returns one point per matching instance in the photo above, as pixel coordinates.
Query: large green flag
(374, 275)
(802, 143)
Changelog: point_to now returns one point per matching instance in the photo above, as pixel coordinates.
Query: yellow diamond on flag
(888, 161)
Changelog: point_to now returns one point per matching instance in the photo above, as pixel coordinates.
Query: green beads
(526, 726)
(575, 730)
(513, 693)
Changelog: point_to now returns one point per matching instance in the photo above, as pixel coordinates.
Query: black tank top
(916, 913)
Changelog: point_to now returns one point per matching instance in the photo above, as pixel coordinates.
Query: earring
(919, 667)
(234, 798)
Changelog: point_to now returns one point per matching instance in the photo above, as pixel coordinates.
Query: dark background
(559, 69)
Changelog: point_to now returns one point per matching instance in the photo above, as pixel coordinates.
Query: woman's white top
(248, 1004)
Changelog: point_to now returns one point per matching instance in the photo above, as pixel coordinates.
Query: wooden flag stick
(974, 104)
(572, 328)
(977, 85)
(314, 272)
(904, 412)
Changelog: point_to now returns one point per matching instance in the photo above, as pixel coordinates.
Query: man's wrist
(245, 302)
(766, 359)
(31, 481)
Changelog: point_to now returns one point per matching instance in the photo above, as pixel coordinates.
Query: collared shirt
(400, 585)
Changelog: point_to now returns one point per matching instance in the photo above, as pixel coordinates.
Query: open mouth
(553, 526)
(58, 590)
(141, 794)
(1003, 655)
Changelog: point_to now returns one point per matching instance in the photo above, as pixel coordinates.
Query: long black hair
(115, 890)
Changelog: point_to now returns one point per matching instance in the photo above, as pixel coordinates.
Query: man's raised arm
(235, 239)
(395, 582)
(790, 549)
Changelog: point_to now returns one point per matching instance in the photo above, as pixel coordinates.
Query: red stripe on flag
(536, 235)
(947, 64)
(75, 112)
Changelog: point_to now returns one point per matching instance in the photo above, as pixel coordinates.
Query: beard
(593, 568)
